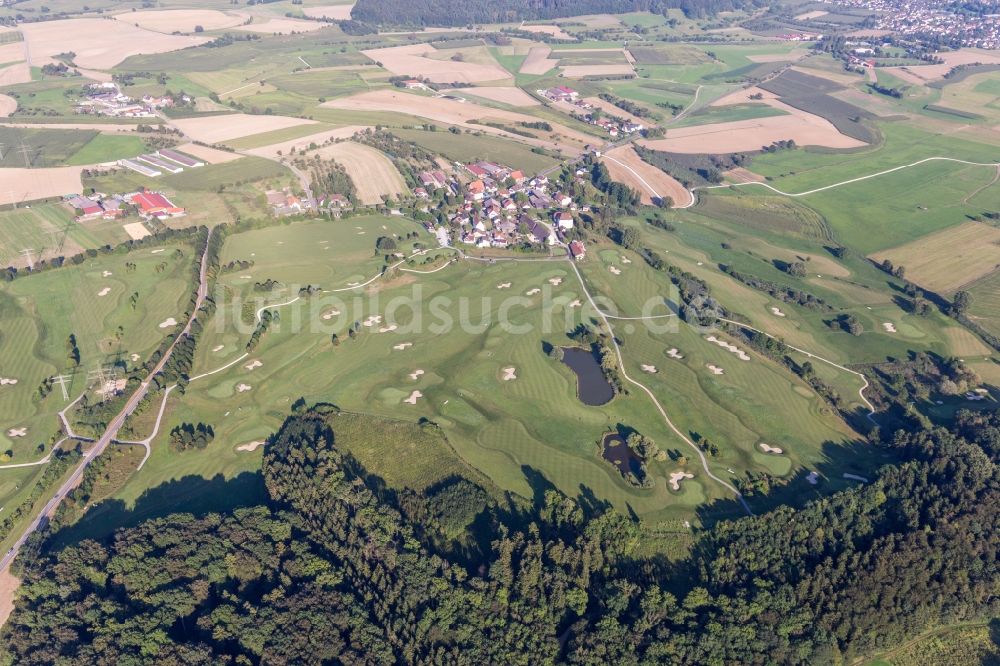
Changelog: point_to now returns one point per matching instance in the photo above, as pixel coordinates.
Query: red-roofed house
(518, 176)
(155, 204)
(476, 189)
(577, 250)
(476, 170)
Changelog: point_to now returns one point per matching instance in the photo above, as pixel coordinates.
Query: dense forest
(335, 569)
(447, 12)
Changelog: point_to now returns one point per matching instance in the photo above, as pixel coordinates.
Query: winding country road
(113, 427)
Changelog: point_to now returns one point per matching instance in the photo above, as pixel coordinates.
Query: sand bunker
(677, 477)
(889, 327)
(402, 345)
(651, 369)
(413, 59)
(106, 274)
(777, 311)
(855, 477)
(414, 396)
(134, 357)
(243, 388)
(330, 314)
(218, 348)
(388, 329)
(509, 374)
(415, 375)
(626, 260)
(7, 381)
(615, 270)
(372, 320)
(104, 292)
(503, 285)
(575, 303)
(253, 364)
(168, 322)
(250, 446)
(532, 292)
(813, 478)
(742, 355)
(158, 251)
(556, 281)
(715, 370)
(767, 448)
(17, 432)
(673, 353)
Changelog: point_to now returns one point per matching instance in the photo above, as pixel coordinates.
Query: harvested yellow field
(553, 30)
(8, 105)
(14, 74)
(373, 174)
(217, 129)
(283, 26)
(458, 113)
(538, 61)
(948, 259)
(98, 43)
(580, 71)
(746, 135)
(21, 185)
(417, 60)
(502, 94)
(921, 74)
(811, 15)
(612, 110)
(208, 155)
(302, 144)
(181, 20)
(13, 52)
(334, 12)
(742, 96)
(625, 166)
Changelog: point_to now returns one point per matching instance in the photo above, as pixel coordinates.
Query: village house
(563, 220)
(577, 250)
(560, 94)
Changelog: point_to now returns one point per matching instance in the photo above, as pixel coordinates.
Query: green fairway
(94, 302)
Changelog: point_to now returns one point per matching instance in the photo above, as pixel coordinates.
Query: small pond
(617, 452)
(592, 387)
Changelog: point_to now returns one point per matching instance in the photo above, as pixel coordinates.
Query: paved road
(109, 434)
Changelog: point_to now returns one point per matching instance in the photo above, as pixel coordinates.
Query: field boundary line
(995, 165)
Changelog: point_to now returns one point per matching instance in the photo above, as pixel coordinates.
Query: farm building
(154, 204)
(577, 250)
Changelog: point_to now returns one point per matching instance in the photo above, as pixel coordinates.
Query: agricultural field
(373, 174)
